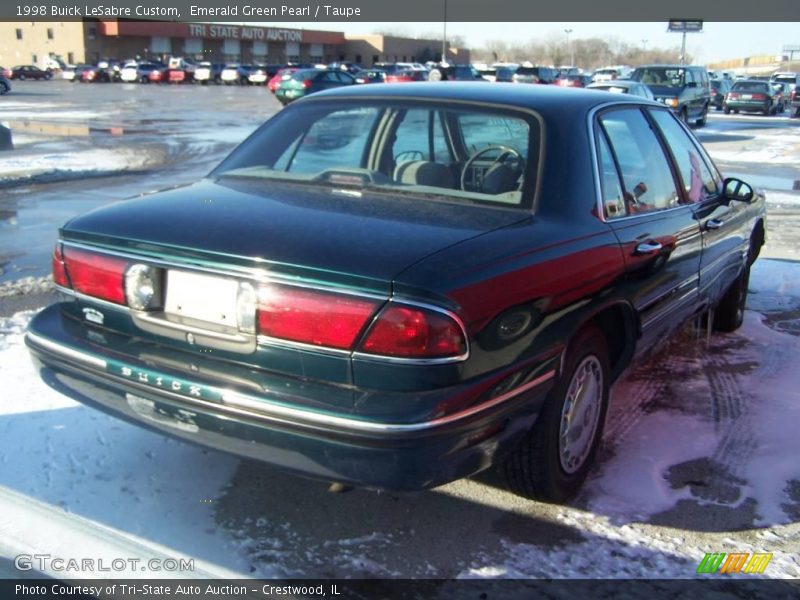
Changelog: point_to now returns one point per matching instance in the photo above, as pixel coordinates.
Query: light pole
(644, 45)
(569, 48)
(444, 35)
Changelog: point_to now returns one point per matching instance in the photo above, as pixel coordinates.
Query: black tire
(726, 110)
(684, 116)
(21, 76)
(701, 121)
(3, 88)
(729, 313)
(535, 469)
(736, 111)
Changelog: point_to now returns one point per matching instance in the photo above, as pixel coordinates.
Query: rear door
(657, 229)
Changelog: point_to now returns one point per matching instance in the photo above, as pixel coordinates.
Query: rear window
(304, 74)
(749, 86)
(661, 76)
(404, 149)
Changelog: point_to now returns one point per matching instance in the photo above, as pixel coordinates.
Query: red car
(5, 72)
(406, 76)
(574, 81)
(176, 76)
(275, 80)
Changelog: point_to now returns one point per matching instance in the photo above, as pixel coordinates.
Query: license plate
(202, 297)
(747, 96)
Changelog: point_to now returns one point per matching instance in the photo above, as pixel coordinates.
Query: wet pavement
(118, 140)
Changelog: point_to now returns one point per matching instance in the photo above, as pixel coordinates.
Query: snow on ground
(641, 514)
(147, 490)
(21, 166)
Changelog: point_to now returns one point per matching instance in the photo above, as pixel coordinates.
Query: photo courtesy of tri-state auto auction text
(366, 299)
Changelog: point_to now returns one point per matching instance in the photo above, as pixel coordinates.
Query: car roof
(526, 97)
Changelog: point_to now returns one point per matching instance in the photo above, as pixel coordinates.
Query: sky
(718, 41)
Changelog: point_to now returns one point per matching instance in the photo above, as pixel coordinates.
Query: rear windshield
(749, 86)
(304, 74)
(399, 148)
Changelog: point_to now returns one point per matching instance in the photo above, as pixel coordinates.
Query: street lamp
(569, 48)
(444, 35)
(644, 44)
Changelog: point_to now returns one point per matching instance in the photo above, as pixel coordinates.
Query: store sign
(235, 32)
(678, 26)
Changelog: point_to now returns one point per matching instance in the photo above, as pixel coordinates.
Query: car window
(403, 148)
(613, 199)
(412, 141)
(749, 86)
(646, 174)
(697, 178)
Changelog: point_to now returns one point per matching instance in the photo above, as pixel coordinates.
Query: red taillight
(794, 95)
(733, 96)
(312, 316)
(759, 97)
(307, 83)
(59, 268)
(412, 332)
(714, 90)
(96, 275)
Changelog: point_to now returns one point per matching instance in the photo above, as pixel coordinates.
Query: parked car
(505, 74)
(5, 72)
(623, 86)
(448, 72)
(308, 81)
(753, 96)
(129, 73)
(68, 72)
(257, 75)
(791, 90)
(234, 73)
(611, 73)
(207, 72)
(416, 304)
(578, 80)
(5, 84)
(719, 87)
(406, 76)
(684, 88)
(536, 74)
(79, 70)
(23, 72)
(370, 76)
(282, 74)
(96, 74)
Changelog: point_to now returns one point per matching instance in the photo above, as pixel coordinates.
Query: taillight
(312, 316)
(59, 269)
(307, 83)
(96, 275)
(759, 97)
(794, 95)
(413, 332)
(714, 90)
(733, 95)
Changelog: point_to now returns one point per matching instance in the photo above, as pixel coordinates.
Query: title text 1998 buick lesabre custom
(399, 286)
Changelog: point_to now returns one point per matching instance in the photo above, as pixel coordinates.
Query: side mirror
(736, 189)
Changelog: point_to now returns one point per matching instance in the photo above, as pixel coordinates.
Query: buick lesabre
(398, 286)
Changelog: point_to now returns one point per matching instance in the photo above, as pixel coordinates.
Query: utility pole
(444, 35)
(569, 48)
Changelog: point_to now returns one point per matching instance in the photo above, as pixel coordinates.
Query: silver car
(623, 86)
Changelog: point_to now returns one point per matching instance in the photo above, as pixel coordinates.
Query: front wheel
(701, 121)
(729, 313)
(553, 459)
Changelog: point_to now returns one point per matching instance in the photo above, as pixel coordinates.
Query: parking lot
(700, 449)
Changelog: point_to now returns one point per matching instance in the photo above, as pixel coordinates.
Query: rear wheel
(21, 76)
(701, 120)
(3, 88)
(729, 313)
(684, 115)
(726, 110)
(553, 459)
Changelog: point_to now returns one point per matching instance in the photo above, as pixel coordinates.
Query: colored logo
(734, 562)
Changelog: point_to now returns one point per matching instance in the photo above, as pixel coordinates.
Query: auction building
(211, 42)
(93, 40)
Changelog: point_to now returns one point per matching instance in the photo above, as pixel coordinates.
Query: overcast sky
(718, 41)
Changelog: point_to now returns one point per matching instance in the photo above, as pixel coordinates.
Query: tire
(736, 111)
(684, 116)
(21, 77)
(729, 313)
(701, 121)
(726, 110)
(542, 466)
(3, 89)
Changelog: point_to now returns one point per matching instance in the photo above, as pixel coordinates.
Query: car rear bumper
(335, 446)
(747, 105)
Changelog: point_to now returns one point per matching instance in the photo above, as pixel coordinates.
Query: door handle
(714, 224)
(648, 247)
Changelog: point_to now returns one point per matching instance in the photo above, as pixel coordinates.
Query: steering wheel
(505, 153)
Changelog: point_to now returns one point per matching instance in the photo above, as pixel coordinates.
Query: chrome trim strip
(91, 299)
(259, 407)
(677, 303)
(81, 357)
(262, 277)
